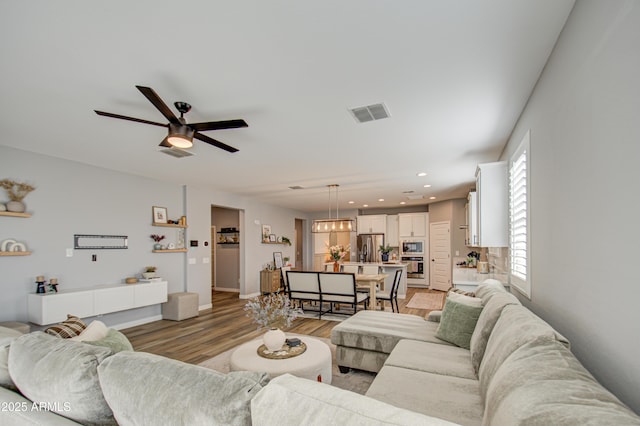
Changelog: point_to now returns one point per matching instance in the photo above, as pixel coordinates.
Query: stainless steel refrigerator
(369, 247)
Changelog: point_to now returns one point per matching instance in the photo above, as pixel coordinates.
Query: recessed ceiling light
(427, 186)
(432, 198)
(422, 174)
(365, 205)
(351, 202)
(380, 199)
(403, 202)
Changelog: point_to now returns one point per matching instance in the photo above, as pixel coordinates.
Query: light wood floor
(221, 328)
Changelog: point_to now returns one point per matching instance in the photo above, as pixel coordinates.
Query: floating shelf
(180, 250)
(169, 225)
(230, 243)
(14, 214)
(15, 253)
(269, 242)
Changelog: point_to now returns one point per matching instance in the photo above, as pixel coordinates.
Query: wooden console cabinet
(270, 280)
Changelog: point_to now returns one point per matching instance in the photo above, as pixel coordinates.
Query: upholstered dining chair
(370, 269)
(392, 294)
(351, 269)
(340, 289)
(284, 270)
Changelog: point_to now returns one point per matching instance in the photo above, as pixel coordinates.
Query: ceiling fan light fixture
(180, 136)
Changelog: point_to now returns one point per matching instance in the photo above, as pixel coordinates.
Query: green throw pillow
(114, 340)
(457, 323)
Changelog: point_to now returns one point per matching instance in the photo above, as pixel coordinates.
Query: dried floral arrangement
(157, 238)
(16, 190)
(272, 311)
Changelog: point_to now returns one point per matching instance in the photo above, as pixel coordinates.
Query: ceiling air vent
(370, 113)
(176, 152)
(296, 187)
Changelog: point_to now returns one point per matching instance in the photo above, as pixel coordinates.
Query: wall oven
(415, 266)
(413, 247)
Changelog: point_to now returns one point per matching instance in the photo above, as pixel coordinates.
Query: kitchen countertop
(471, 277)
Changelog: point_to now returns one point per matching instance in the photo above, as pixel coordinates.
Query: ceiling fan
(181, 133)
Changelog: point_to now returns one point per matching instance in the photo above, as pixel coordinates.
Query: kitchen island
(390, 269)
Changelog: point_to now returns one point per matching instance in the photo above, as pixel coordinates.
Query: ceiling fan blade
(153, 97)
(214, 142)
(218, 125)
(124, 117)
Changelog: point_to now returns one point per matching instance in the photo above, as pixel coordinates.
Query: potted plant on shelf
(16, 192)
(149, 272)
(286, 240)
(273, 312)
(384, 251)
(157, 239)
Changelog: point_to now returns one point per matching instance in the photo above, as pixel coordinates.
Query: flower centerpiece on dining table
(273, 311)
(336, 254)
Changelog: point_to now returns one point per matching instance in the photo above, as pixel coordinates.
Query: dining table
(371, 283)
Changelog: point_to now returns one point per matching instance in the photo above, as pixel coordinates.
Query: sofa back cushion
(542, 383)
(516, 326)
(146, 389)
(488, 287)
(486, 321)
(62, 374)
(7, 335)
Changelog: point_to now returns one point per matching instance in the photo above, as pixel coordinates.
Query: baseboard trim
(203, 307)
(137, 322)
(227, 289)
(249, 296)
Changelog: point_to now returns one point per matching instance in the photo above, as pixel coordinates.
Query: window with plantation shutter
(519, 239)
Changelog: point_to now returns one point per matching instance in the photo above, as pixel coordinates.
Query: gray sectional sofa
(518, 370)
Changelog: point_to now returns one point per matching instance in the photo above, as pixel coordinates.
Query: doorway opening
(226, 244)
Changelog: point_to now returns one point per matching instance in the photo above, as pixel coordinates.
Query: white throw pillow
(465, 300)
(95, 331)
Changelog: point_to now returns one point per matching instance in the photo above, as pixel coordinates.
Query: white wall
(585, 148)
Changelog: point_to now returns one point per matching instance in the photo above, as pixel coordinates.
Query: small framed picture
(277, 259)
(266, 231)
(272, 238)
(159, 214)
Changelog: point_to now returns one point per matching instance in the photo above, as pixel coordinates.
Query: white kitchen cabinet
(391, 237)
(412, 224)
(372, 224)
(493, 208)
(472, 219)
(49, 308)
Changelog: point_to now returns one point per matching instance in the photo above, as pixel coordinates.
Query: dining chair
(304, 286)
(351, 269)
(340, 288)
(284, 270)
(370, 269)
(392, 294)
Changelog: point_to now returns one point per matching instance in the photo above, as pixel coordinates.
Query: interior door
(440, 243)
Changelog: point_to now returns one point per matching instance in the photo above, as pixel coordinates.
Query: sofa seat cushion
(432, 358)
(63, 373)
(450, 398)
(516, 326)
(542, 383)
(147, 389)
(486, 321)
(289, 400)
(381, 331)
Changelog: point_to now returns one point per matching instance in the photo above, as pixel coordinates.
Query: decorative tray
(284, 353)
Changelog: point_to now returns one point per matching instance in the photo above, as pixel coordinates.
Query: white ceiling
(455, 76)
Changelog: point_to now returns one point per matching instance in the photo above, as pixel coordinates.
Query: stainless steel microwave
(413, 247)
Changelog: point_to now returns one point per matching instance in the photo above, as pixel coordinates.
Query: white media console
(49, 308)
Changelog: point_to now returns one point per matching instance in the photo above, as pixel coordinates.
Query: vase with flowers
(16, 191)
(336, 254)
(273, 312)
(157, 239)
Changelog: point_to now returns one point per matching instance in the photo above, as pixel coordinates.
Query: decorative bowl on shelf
(149, 275)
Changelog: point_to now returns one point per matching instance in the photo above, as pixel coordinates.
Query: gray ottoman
(18, 326)
(180, 306)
